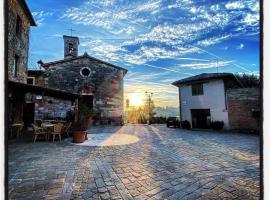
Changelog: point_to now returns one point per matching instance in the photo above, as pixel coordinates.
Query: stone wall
(17, 45)
(243, 109)
(105, 81)
(51, 108)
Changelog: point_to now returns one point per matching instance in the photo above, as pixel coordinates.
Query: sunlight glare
(136, 99)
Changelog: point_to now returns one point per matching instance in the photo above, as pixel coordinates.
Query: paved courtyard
(165, 163)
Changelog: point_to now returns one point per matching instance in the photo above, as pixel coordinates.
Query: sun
(136, 99)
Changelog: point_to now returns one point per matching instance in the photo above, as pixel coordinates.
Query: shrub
(70, 116)
(217, 125)
(185, 124)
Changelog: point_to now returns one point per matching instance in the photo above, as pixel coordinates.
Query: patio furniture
(17, 129)
(38, 131)
(67, 128)
(57, 130)
(48, 127)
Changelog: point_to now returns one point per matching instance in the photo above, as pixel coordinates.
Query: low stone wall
(244, 109)
(51, 108)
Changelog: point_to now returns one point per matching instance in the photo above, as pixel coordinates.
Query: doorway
(28, 113)
(200, 118)
(87, 100)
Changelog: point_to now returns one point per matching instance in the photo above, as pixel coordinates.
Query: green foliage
(83, 112)
(248, 80)
(217, 125)
(185, 124)
(70, 116)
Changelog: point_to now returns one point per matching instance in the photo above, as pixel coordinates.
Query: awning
(26, 88)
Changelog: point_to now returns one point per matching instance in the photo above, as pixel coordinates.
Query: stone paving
(165, 163)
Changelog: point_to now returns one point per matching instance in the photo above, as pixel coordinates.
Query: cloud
(155, 31)
(240, 46)
(206, 65)
(235, 5)
(40, 16)
(251, 19)
(214, 40)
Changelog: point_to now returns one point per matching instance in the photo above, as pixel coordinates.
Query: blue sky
(158, 41)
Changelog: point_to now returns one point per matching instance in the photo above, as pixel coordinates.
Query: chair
(57, 130)
(38, 131)
(16, 128)
(66, 128)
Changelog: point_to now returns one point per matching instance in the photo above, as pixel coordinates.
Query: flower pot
(88, 121)
(79, 136)
(86, 137)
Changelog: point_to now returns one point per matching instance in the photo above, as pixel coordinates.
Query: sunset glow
(136, 99)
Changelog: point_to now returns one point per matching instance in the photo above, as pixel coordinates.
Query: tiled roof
(205, 76)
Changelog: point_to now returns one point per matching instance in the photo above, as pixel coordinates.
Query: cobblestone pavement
(165, 163)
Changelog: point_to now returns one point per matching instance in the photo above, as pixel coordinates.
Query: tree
(149, 106)
(248, 80)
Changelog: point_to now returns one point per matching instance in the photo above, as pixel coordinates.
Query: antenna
(71, 30)
(217, 65)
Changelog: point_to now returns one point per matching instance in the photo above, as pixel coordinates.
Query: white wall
(213, 99)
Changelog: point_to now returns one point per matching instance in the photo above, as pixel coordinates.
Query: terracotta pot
(88, 121)
(79, 136)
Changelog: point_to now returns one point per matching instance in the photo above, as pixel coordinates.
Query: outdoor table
(48, 128)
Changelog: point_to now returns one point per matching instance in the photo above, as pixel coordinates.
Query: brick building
(99, 83)
(244, 109)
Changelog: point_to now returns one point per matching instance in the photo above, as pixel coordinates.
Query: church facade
(99, 83)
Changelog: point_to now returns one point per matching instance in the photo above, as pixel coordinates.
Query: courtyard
(156, 163)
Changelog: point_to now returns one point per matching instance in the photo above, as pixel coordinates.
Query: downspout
(180, 106)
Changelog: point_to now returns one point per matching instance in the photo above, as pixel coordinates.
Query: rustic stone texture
(165, 164)
(52, 108)
(17, 45)
(105, 81)
(241, 103)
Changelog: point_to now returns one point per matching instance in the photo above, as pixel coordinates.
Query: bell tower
(71, 44)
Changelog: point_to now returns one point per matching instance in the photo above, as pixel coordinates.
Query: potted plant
(80, 127)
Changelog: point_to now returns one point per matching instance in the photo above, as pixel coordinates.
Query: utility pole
(149, 100)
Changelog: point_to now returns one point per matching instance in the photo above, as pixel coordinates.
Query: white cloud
(214, 40)
(149, 6)
(40, 16)
(240, 46)
(206, 65)
(235, 5)
(251, 19)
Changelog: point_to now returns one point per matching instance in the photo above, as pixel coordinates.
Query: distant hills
(166, 112)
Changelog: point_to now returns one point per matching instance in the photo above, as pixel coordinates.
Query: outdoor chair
(57, 130)
(38, 131)
(66, 128)
(16, 128)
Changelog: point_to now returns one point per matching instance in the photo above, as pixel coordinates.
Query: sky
(157, 41)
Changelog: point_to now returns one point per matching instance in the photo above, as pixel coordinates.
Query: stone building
(99, 83)
(19, 21)
(23, 97)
